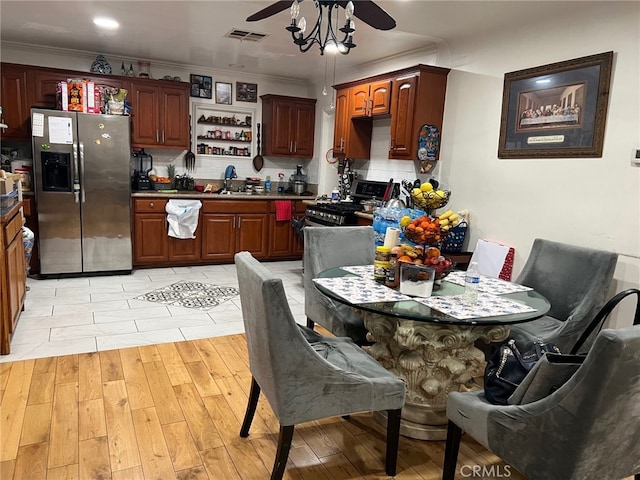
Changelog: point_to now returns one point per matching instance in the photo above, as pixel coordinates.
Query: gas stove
(333, 214)
(344, 213)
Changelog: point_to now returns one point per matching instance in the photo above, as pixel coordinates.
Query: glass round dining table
(433, 351)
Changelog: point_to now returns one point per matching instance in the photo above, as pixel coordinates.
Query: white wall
(591, 202)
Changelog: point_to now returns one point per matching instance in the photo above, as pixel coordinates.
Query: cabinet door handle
(371, 106)
(157, 136)
(392, 143)
(295, 146)
(151, 205)
(342, 144)
(364, 105)
(239, 221)
(162, 136)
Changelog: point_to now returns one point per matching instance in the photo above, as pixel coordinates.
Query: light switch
(635, 157)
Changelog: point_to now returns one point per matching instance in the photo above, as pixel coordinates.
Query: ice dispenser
(56, 172)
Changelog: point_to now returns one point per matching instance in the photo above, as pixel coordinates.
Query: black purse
(507, 367)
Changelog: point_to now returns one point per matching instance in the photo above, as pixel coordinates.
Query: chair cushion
(549, 373)
(542, 329)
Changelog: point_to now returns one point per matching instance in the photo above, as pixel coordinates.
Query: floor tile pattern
(95, 313)
(189, 294)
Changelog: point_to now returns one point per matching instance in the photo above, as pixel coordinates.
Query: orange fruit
(404, 258)
(432, 252)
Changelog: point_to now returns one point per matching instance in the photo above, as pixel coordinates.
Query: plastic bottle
(335, 195)
(471, 283)
(393, 273)
(267, 184)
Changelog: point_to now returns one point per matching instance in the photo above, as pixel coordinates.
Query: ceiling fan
(365, 10)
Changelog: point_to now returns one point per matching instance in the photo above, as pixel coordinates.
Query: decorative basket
(431, 200)
(455, 238)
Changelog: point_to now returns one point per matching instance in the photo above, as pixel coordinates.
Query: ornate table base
(433, 359)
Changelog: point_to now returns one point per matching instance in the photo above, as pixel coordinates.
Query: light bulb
(352, 26)
(302, 25)
(348, 10)
(295, 9)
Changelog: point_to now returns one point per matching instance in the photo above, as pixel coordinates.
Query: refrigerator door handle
(82, 171)
(76, 182)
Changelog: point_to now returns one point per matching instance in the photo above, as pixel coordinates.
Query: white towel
(490, 257)
(182, 217)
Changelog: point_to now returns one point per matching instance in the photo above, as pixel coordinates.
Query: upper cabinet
(13, 98)
(160, 114)
(371, 99)
(288, 125)
(412, 96)
(351, 135)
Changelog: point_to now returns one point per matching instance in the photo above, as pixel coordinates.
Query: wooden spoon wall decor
(258, 161)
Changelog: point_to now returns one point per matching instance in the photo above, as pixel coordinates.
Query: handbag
(507, 367)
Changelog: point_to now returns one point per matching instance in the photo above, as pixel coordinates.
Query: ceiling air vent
(246, 35)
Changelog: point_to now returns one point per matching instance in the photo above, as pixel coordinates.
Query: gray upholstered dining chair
(329, 247)
(575, 280)
(306, 376)
(588, 429)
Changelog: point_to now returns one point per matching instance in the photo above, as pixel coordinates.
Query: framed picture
(557, 110)
(201, 86)
(223, 93)
(246, 92)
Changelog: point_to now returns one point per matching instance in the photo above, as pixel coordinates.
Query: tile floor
(89, 314)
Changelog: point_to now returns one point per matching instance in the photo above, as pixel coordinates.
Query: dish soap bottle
(267, 184)
(281, 183)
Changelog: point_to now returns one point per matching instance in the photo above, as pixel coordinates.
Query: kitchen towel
(182, 217)
(283, 210)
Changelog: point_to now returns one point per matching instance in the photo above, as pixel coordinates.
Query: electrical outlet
(635, 157)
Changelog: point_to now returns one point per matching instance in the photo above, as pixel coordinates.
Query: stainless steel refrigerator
(83, 191)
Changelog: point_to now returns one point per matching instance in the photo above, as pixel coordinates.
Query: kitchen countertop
(218, 196)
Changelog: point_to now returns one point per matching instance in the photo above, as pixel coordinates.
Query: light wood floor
(174, 411)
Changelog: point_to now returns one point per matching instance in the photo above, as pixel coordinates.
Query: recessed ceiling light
(104, 22)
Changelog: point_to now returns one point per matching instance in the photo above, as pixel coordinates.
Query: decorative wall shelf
(223, 131)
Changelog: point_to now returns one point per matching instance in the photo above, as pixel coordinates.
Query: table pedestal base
(433, 359)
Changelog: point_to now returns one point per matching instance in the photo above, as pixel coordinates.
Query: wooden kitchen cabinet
(351, 136)
(43, 84)
(13, 98)
(284, 242)
(288, 125)
(413, 97)
(370, 99)
(160, 114)
(230, 227)
(151, 244)
(417, 99)
(13, 277)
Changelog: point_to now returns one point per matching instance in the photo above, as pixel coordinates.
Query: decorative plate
(100, 65)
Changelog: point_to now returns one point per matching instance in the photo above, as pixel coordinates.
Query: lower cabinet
(13, 277)
(284, 241)
(225, 227)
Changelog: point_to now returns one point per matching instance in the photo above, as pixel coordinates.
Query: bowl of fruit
(429, 256)
(440, 263)
(423, 230)
(428, 197)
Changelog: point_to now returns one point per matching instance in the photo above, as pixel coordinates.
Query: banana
(446, 214)
(444, 222)
(453, 217)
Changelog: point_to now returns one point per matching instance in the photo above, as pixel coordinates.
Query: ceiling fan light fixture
(323, 32)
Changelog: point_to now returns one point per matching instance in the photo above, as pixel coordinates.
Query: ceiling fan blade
(270, 10)
(371, 14)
